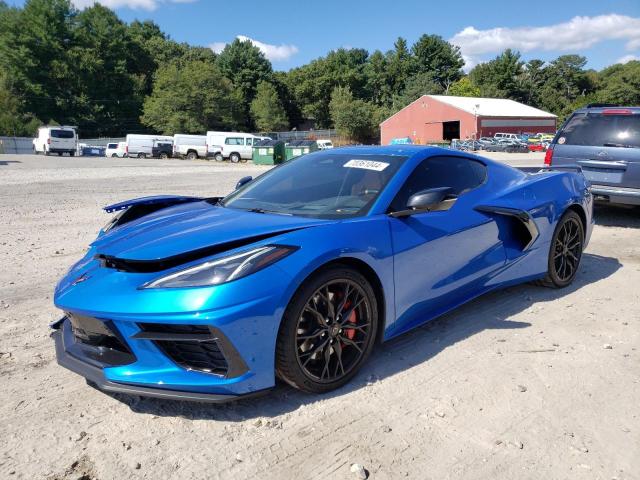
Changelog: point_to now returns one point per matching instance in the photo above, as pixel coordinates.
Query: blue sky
(294, 32)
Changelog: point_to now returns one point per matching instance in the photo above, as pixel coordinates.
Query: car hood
(193, 227)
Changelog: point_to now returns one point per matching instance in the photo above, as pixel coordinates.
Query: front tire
(164, 156)
(565, 253)
(328, 330)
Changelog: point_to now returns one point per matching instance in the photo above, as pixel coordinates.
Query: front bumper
(87, 362)
(618, 195)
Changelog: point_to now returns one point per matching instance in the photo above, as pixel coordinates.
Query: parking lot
(524, 383)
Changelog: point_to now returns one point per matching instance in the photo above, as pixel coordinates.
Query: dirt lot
(525, 383)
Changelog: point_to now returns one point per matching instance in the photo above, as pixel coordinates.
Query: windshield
(319, 185)
(596, 129)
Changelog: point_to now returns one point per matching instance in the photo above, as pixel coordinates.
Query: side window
(461, 174)
(248, 141)
(234, 141)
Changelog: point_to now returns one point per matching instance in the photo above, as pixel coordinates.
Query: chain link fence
(304, 135)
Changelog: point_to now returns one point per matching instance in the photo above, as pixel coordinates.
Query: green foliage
(34, 53)
(89, 68)
(464, 88)
(246, 66)
(353, 118)
(436, 56)
(267, 110)
(312, 84)
(12, 119)
(417, 85)
(399, 67)
(191, 97)
(499, 78)
(107, 93)
(620, 84)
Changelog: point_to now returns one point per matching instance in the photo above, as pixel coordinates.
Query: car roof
(601, 109)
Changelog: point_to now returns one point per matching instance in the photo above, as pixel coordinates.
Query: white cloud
(577, 34)
(628, 58)
(275, 53)
(217, 47)
(132, 4)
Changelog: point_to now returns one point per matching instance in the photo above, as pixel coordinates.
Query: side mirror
(243, 181)
(427, 200)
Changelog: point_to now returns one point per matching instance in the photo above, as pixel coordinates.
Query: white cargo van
(116, 150)
(324, 144)
(190, 146)
(235, 146)
(140, 145)
(56, 140)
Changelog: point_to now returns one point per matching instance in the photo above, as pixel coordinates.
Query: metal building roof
(492, 107)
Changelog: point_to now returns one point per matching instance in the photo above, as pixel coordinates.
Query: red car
(537, 147)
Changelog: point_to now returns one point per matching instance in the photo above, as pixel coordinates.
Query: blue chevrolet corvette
(299, 273)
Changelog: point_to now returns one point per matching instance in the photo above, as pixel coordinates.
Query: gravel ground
(524, 383)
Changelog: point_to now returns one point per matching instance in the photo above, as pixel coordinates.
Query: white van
(190, 146)
(116, 150)
(324, 144)
(507, 136)
(140, 145)
(56, 140)
(235, 146)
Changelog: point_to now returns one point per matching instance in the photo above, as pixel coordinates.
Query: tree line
(60, 65)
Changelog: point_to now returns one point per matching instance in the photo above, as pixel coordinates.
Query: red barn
(433, 118)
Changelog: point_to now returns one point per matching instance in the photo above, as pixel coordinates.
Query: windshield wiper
(262, 210)
(619, 145)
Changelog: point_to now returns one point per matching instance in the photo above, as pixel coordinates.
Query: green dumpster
(298, 148)
(268, 152)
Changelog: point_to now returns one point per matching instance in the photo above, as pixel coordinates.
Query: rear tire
(328, 330)
(192, 156)
(142, 155)
(218, 157)
(164, 156)
(565, 252)
(114, 155)
(234, 157)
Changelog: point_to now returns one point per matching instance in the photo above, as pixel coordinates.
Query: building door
(450, 130)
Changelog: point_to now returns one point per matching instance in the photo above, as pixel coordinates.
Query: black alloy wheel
(328, 331)
(565, 254)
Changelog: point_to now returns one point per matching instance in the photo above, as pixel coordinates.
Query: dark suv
(605, 141)
(162, 150)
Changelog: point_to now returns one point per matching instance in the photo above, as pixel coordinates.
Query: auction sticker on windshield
(366, 164)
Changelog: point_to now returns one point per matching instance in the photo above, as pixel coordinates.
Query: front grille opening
(100, 341)
(201, 354)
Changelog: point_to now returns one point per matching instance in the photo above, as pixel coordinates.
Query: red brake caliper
(350, 332)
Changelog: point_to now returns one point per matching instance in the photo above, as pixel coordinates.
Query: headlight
(224, 269)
